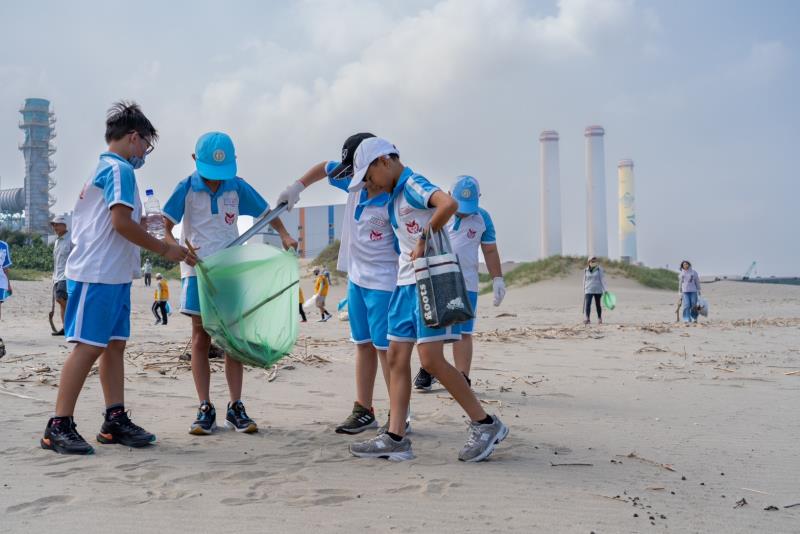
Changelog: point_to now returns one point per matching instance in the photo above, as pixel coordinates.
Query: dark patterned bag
(442, 292)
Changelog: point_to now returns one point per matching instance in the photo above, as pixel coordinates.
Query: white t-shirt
(100, 255)
(209, 219)
(409, 214)
(61, 250)
(368, 250)
(466, 235)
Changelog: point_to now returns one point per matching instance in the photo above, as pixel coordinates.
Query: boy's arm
(445, 207)
(291, 195)
(133, 232)
(286, 239)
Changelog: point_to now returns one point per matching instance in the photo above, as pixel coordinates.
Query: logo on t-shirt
(375, 235)
(230, 218)
(413, 227)
(377, 221)
(471, 233)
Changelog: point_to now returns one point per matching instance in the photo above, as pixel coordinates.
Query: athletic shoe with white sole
(237, 419)
(358, 421)
(482, 440)
(424, 380)
(206, 421)
(383, 446)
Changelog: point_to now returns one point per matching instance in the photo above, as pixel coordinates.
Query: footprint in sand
(70, 471)
(323, 497)
(39, 505)
(136, 465)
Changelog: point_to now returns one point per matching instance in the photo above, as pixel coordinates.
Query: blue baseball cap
(215, 156)
(466, 192)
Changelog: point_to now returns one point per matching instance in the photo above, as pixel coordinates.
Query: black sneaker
(424, 380)
(237, 419)
(206, 421)
(358, 421)
(61, 436)
(59, 333)
(118, 428)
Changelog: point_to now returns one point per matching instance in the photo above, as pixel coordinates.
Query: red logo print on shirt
(413, 227)
(230, 217)
(375, 236)
(471, 233)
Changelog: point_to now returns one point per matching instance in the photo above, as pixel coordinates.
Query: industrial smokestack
(550, 198)
(627, 211)
(596, 227)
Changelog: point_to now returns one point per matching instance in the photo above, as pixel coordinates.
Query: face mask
(136, 161)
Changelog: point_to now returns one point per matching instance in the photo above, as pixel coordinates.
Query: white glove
(499, 288)
(291, 195)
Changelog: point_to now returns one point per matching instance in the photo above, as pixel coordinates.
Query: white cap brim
(367, 152)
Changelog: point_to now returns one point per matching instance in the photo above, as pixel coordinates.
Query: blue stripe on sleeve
(175, 206)
(418, 191)
(250, 201)
(7, 260)
(488, 236)
(117, 181)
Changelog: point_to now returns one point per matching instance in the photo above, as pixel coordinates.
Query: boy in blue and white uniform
(209, 203)
(470, 228)
(107, 234)
(368, 254)
(415, 207)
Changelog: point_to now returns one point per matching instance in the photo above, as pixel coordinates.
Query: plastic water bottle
(153, 217)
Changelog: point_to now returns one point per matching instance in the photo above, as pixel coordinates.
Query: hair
(687, 262)
(394, 156)
(126, 116)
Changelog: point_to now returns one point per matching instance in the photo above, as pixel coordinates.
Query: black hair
(394, 156)
(686, 262)
(123, 117)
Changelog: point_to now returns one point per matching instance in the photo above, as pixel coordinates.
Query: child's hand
(419, 250)
(289, 242)
(178, 253)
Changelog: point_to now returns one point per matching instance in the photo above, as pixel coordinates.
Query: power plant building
(596, 224)
(28, 207)
(550, 195)
(627, 211)
(314, 227)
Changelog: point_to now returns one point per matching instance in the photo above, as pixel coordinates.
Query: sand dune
(635, 425)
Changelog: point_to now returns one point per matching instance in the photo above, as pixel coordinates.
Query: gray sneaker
(482, 440)
(383, 447)
(385, 428)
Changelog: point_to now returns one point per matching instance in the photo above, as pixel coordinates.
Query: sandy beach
(637, 425)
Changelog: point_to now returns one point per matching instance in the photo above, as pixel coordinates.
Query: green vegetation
(560, 266)
(328, 258)
(27, 275)
(170, 270)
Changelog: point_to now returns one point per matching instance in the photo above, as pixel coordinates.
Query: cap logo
(219, 155)
(466, 193)
(344, 153)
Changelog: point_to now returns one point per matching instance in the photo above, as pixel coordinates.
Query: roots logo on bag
(375, 236)
(413, 227)
(230, 218)
(425, 300)
(471, 233)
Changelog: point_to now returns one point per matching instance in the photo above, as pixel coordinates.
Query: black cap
(345, 168)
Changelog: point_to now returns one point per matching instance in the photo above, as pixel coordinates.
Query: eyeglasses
(149, 146)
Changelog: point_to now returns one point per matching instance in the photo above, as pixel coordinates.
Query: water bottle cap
(149, 192)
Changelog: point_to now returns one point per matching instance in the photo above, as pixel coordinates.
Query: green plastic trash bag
(249, 300)
(609, 300)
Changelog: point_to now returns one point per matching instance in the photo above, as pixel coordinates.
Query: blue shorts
(97, 313)
(190, 298)
(368, 311)
(468, 328)
(405, 323)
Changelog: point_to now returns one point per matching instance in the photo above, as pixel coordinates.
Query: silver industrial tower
(30, 205)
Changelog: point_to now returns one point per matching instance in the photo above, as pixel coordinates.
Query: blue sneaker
(206, 421)
(237, 419)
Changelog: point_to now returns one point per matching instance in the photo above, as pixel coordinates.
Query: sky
(702, 95)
